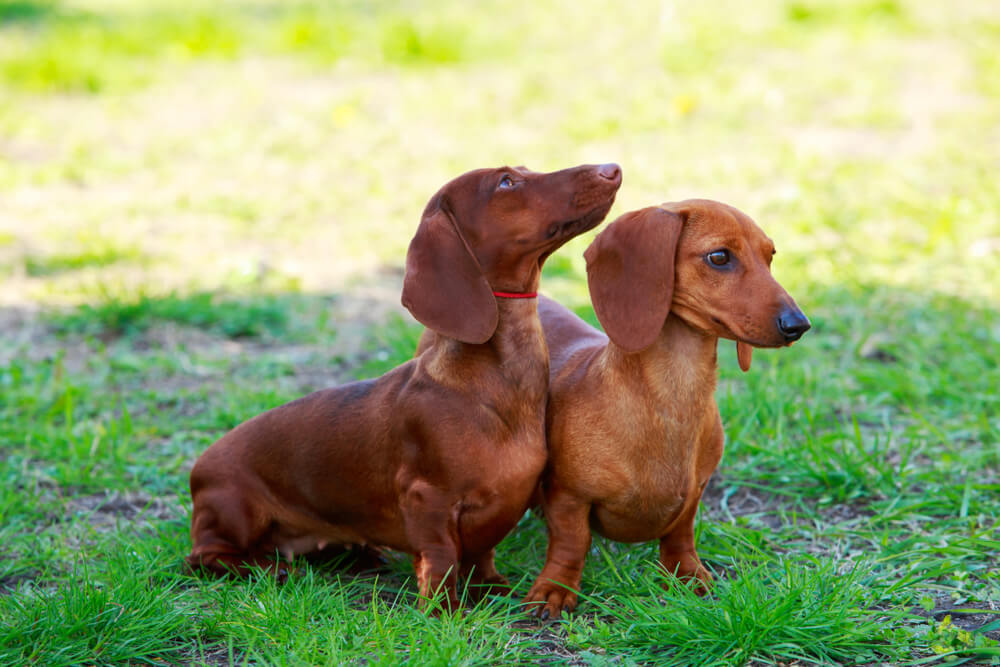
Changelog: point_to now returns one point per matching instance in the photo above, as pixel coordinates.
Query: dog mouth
(727, 331)
(559, 232)
(574, 227)
(596, 199)
(757, 343)
(577, 226)
(745, 344)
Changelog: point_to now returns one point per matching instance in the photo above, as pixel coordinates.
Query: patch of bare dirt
(28, 337)
(723, 501)
(105, 509)
(222, 656)
(551, 648)
(966, 618)
(10, 584)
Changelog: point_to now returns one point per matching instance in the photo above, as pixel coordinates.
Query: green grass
(53, 46)
(804, 610)
(204, 209)
(97, 256)
(230, 316)
(122, 616)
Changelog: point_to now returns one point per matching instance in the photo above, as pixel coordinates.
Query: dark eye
(505, 183)
(718, 257)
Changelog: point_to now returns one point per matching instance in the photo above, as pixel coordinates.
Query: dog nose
(610, 171)
(792, 324)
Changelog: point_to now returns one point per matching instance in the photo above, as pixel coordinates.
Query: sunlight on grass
(874, 178)
(99, 255)
(92, 48)
(204, 210)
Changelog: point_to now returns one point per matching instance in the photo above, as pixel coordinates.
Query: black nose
(792, 324)
(610, 171)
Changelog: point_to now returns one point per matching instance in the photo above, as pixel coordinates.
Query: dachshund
(633, 427)
(438, 457)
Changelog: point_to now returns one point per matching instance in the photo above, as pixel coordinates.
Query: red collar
(516, 295)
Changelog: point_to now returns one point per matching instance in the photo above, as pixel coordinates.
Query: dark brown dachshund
(438, 457)
(633, 428)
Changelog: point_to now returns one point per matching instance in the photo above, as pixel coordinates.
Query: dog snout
(610, 171)
(792, 323)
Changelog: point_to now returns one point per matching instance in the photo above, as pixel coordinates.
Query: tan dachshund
(438, 457)
(633, 428)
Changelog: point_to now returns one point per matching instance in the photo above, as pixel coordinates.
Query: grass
(114, 620)
(783, 611)
(226, 315)
(97, 256)
(203, 213)
(99, 47)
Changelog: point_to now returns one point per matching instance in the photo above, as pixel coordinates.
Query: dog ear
(444, 288)
(630, 271)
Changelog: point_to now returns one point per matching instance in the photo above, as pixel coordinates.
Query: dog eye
(505, 183)
(718, 257)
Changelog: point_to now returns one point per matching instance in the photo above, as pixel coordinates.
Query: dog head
(490, 230)
(706, 262)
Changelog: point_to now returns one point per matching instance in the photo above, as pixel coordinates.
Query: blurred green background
(204, 211)
(195, 144)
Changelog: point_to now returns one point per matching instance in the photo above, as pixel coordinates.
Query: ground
(204, 209)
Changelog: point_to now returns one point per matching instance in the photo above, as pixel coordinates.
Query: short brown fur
(633, 427)
(438, 457)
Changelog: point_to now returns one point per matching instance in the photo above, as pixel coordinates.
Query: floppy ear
(630, 271)
(444, 288)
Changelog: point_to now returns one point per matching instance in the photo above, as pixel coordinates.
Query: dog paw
(547, 600)
(280, 570)
(687, 567)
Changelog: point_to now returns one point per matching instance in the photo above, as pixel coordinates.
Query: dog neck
(679, 369)
(522, 278)
(517, 348)
(519, 330)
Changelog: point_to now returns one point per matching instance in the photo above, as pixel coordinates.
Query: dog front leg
(431, 521)
(677, 551)
(483, 578)
(557, 587)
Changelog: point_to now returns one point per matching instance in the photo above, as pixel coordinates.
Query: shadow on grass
(887, 386)
(889, 402)
(228, 315)
(891, 345)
